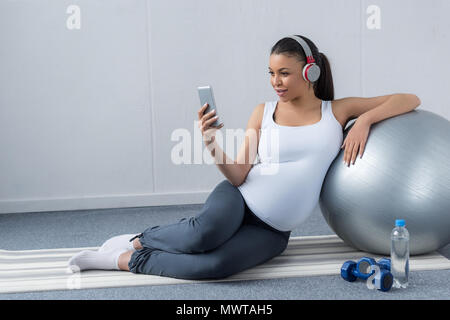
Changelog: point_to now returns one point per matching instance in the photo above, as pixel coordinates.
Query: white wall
(87, 114)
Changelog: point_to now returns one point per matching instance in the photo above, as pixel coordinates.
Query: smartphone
(206, 96)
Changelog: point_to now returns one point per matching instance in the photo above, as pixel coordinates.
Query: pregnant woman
(247, 218)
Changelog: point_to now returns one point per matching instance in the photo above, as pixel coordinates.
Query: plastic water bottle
(400, 254)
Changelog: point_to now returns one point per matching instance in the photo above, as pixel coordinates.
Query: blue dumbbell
(350, 271)
(385, 264)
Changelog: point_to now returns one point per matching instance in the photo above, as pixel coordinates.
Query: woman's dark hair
(323, 87)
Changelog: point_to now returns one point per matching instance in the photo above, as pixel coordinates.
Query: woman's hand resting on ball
(356, 140)
(208, 131)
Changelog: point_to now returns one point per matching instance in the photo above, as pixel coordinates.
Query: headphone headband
(305, 46)
(311, 71)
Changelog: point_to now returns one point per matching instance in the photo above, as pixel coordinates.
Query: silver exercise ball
(404, 174)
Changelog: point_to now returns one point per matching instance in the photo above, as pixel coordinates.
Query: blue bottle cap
(399, 223)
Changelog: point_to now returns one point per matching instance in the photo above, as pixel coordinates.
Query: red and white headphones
(311, 71)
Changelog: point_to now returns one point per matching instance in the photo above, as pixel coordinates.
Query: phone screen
(206, 96)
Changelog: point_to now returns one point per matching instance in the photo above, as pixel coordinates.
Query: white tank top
(283, 187)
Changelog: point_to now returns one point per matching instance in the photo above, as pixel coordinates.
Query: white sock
(99, 260)
(118, 242)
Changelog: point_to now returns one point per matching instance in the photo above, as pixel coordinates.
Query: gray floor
(24, 231)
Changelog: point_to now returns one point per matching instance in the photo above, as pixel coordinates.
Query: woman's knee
(229, 189)
(221, 217)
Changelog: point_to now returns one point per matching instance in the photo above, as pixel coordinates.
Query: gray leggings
(223, 239)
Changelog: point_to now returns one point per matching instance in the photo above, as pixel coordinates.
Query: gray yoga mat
(46, 269)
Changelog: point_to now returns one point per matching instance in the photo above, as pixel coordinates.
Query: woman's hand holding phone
(206, 120)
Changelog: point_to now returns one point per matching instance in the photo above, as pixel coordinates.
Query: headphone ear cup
(311, 72)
